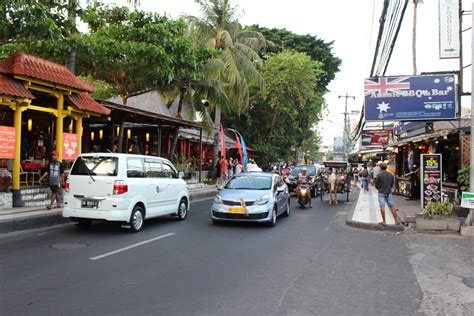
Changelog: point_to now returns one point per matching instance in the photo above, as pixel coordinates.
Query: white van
(123, 188)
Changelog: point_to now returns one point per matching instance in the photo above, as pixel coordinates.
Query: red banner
(375, 138)
(70, 142)
(7, 142)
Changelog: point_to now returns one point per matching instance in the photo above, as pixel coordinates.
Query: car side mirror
(180, 174)
(281, 189)
(219, 187)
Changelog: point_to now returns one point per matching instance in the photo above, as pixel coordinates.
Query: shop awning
(421, 137)
(14, 88)
(368, 151)
(84, 102)
(21, 64)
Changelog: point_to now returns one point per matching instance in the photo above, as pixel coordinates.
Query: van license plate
(89, 203)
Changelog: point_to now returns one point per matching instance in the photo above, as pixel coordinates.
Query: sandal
(48, 207)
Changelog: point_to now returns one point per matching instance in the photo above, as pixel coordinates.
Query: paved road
(310, 263)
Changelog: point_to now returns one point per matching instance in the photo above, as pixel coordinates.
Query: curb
(369, 226)
(31, 222)
(56, 218)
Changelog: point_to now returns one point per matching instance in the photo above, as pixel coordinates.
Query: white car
(123, 188)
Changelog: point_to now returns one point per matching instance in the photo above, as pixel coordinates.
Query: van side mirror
(180, 174)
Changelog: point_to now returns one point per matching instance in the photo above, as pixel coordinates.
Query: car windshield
(249, 183)
(311, 171)
(95, 166)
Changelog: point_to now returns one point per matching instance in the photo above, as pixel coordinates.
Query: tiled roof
(23, 64)
(84, 102)
(14, 88)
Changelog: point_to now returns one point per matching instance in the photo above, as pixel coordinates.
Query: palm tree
(238, 59)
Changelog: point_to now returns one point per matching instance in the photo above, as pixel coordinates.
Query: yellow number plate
(237, 210)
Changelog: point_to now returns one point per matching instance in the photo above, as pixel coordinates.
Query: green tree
(237, 63)
(280, 120)
(315, 47)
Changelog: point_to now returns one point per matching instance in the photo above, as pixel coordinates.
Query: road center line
(130, 247)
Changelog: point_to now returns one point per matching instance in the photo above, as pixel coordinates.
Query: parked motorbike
(304, 197)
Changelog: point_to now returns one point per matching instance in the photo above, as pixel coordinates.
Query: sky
(353, 26)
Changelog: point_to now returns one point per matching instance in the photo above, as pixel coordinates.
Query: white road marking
(130, 247)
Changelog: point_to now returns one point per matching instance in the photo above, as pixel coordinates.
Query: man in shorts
(224, 170)
(55, 172)
(384, 184)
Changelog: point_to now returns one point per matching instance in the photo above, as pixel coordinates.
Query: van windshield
(95, 166)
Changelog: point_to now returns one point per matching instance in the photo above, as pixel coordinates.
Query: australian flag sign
(410, 98)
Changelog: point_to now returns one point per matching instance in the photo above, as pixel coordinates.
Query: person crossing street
(384, 184)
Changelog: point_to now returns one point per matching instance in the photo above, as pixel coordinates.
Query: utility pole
(469, 220)
(347, 131)
(415, 2)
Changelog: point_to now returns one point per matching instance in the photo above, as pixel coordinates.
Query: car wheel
(84, 224)
(136, 219)
(287, 211)
(182, 210)
(274, 217)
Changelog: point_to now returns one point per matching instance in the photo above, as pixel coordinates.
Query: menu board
(431, 178)
(7, 142)
(69, 146)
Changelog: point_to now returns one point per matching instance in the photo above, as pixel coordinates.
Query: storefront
(42, 108)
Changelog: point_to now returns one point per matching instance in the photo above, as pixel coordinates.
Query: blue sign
(410, 98)
(401, 127)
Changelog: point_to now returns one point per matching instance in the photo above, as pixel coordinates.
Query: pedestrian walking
(218, 171)
(55, 171)
(384, 184)
(224, 170)
(230, 168)
(376, 171)
(364, 178)
(355, 172)
(238, 167)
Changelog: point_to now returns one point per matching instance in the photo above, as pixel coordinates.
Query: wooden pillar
(59, 126)
(159, 140)
(79, 134)
(200, 155)
(17, 159)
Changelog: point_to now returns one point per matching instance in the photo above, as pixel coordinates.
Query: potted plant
(437, 216)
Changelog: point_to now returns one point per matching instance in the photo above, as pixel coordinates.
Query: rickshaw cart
(343, 185)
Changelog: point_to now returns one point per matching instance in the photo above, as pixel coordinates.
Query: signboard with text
(431, 178)
(467, 200)
(410, 98)
(375, 138)
(7, 142)
(70, 142)
(449, 29)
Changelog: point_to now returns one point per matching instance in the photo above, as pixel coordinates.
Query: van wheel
(84, 224)
(182, 210)
(136, 219)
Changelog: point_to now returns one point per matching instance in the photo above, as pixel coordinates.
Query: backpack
(364, 173)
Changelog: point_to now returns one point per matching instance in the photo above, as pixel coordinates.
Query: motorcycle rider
(303, 179)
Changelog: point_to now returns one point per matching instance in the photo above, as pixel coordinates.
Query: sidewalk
(23, 218)
(367, 212)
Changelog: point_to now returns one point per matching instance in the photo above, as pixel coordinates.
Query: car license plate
(89, 203)
(237, 210)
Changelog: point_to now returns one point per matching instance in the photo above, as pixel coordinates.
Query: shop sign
(70, 142)
(467, 200)
(7, 142)
(410, 98)
(376, 138)
(431, 178)
(449, 29)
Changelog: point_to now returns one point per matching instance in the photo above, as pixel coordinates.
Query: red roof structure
(22, 64)
(14, 88)
(84, 102)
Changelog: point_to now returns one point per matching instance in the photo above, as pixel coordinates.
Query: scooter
(304, 197)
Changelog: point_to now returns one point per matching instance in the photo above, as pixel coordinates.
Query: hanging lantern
(101, 134)
(92, 135)
(129, 133)
(70, 127)
(118, 131)
(147, 137)
(30, 125)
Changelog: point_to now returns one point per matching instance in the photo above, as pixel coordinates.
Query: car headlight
(218, 199)
(263, 200)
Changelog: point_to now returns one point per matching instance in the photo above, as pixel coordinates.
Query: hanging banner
(70, 142)
(449, 29)
(376, 138)
(431, 178)
(410, 98)
(7, 142)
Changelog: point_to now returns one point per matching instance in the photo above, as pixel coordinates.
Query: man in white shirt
(238, 167)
